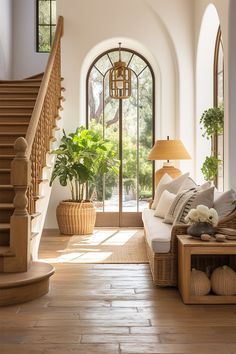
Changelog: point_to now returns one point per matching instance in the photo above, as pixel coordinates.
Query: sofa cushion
(189, 183)
(158, 234)
(164, 204)
(173, 187)
(163, 181)
(200, 197)
(223, 203)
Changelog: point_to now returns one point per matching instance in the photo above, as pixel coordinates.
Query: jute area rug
(107, 245)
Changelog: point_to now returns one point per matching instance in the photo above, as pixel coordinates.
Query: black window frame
(215, 142)
(38, 25)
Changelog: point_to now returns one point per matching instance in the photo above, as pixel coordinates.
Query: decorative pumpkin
(223, 281)
(199, 283)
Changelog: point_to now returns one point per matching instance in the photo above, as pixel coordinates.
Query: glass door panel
(130, 150)
(128, 125)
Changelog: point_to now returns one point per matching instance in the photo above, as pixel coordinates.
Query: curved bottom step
(16, 288)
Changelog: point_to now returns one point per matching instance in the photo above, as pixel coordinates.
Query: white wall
(231, 87)
(204, 82)
(161, 30)
(26, 62)
(202, 97)
(5, 39)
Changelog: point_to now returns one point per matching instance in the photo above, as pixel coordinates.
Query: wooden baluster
(20, 220)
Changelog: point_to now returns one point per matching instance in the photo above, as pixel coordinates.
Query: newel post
(20, 220)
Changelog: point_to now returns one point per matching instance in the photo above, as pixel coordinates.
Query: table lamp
(168, 150)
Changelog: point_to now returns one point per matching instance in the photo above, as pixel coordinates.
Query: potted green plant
(212, 121)
(210, 168)
(81, 157)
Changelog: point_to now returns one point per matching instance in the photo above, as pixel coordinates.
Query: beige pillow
(224, 203)
(202, 196)
(164, 204)
(172, 187)
(189, 183)
(163, 181)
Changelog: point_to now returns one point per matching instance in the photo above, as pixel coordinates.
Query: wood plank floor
(114, 309)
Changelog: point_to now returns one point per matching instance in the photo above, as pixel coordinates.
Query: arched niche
(231, 126)
(204, 81)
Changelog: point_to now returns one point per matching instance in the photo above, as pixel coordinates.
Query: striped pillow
(181, 199)
(201, 197)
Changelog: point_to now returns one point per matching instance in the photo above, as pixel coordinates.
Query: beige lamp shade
(168, 150)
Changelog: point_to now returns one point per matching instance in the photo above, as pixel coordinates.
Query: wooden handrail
(31, 131)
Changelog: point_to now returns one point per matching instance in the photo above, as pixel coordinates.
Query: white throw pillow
(172, 187)
(163, 181)
(164, 204)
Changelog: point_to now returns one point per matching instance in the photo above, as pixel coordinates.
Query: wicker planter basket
(76, 218)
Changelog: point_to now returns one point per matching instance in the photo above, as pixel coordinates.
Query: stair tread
(3, 82)
(9, 114)
(4, 170)
(17, 99)
(18, 107)
(7, 157)
(6, 206)
(36, 272)
(21, 84)
(14, 123)
(18, 92)
(36, 76)
(6, 186)
(5, 251)
(4, 226)
(12, 133)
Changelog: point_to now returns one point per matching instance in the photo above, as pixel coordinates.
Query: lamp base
(170, 170)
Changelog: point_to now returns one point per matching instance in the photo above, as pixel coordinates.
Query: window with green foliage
(129, 126)
(46, 24)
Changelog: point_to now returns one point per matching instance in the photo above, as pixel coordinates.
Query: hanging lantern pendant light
(120, 79)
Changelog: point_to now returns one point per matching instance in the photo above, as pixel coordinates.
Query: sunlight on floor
(111, 245)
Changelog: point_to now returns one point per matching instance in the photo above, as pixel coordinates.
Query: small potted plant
(210, 167)
(81, 157)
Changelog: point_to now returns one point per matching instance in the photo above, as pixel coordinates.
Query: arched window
(218, 144)
(129, 126)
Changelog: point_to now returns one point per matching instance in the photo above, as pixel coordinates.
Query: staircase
(17, 101)
(29, 110)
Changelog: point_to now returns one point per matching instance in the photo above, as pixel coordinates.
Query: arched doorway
(129, 126)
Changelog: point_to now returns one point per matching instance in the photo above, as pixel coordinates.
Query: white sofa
(161, 244)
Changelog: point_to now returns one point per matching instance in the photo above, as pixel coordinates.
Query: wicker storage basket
(76, 218)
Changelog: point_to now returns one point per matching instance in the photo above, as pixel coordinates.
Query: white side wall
(161, 30)
(204, 82)
(5, 39)
(26, 62)
(231, 88)
(222, 8)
